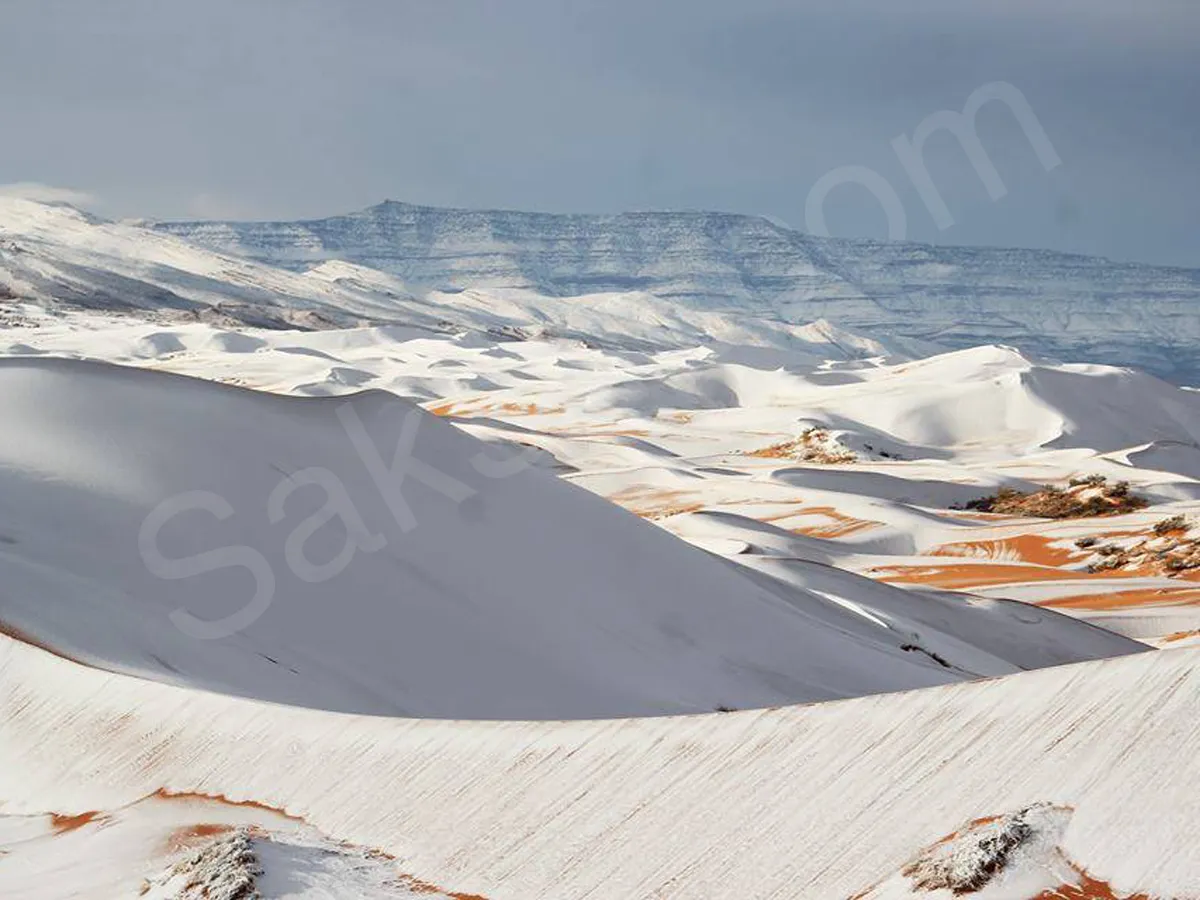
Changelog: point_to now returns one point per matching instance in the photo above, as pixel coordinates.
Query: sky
(282, 109)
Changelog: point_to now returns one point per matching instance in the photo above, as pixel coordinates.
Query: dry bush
(1167, 526)
(1168, 550)
(814, 445)
(224, 869)
(1092, 496)
(969, 860)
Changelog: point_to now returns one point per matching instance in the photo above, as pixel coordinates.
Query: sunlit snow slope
(821, 801)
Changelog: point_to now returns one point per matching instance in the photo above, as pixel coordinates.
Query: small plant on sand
(968, 861)
(224, 869)
(1084, 498)
(815, 445)
(1168, 549)
(1173, 524)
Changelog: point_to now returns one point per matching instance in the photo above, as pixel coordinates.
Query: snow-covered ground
(258, 625)
(825, 800)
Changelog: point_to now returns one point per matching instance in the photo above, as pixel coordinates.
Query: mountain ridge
(168, 223)
(1057, 304)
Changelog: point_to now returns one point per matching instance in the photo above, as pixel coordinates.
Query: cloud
(217, 206)
(302, 109)
(46, 193)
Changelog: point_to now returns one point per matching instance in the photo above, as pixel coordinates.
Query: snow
(822, 800)
(620, 502)
(1053, 304)
(173, 847)
(455, 586)
(58, 256)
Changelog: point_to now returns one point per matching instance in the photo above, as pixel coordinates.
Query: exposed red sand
(842, 524)
(1181, 635)
(530, 409)
(62, 824)
(1125, 599)
(190, 835)
(603, 432)
(972, 575)
(1088, 888)
(1036, 557)
(474, 407)
(165, 794)
(678, 416)
(793, 508)
(655, 503)
(1029, 548)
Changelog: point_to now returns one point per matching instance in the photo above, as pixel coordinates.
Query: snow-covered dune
(292, 550)
(274, 627)
(992, 400)
(821, 801)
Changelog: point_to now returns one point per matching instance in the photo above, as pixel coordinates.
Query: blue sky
(294, 108)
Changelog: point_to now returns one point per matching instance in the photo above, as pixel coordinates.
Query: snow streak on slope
(822, 801)
(445, 583)
(1056, 304)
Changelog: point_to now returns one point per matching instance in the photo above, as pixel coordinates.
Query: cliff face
(1074, 307)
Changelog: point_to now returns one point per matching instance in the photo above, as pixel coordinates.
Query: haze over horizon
(307, 109)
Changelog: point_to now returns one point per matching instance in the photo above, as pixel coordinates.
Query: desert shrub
(967, 862)
(1052, 502)
(1174, 523)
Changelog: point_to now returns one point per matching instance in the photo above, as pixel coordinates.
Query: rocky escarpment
(1069, 306)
